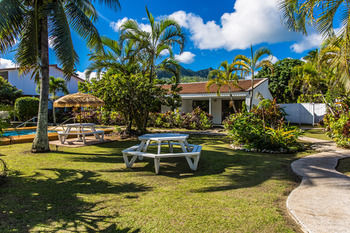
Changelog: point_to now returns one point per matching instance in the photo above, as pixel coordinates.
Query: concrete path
(322, 201)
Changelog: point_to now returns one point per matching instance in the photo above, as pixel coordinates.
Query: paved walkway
(322, 201)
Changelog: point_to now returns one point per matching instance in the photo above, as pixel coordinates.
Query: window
(5, 75)
(202, 104)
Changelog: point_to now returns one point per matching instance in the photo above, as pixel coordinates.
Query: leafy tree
(224, 76)
(8, 93)
(322, 13)
(32, 23)
(133, 95)
(55, 85)
(252, 65)
(279, 79)
(152, 45)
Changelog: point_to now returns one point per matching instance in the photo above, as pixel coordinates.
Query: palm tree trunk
(54, 115)
(41, 140)
(251, 94)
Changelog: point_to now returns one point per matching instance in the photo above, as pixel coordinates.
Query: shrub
(26, 107)
(262, 129)
(197, 119)
(8, 93)
(337, 124)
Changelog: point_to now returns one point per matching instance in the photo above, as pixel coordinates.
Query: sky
(215, 30)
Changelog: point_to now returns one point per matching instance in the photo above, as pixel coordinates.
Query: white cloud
(82, 75)
(185, 57)
(272, 59)
(5, 63)
(51, 40)
(251, 22)
(117, 25)
(309, 42)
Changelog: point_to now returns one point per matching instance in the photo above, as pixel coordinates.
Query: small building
(27, 84)
(196, 95)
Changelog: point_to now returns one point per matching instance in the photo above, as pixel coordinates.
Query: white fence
(306, 113)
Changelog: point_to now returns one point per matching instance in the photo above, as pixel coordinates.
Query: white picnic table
(189, 151)
(81, 130)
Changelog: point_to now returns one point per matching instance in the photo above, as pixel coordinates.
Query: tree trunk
(54, 115)
(251, 94)
(41, 140)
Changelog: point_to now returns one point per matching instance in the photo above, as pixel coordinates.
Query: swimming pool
(22, 132)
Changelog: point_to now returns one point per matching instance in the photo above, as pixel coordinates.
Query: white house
(196, 94)
(28, 86)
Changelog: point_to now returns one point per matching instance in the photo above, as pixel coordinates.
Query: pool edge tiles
(29, 138)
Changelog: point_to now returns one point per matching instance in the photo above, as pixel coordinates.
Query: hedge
(26, 107)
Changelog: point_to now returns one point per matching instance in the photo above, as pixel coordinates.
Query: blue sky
(215, 30)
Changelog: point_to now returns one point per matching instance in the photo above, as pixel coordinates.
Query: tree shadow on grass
(55, 202)
(238, 169)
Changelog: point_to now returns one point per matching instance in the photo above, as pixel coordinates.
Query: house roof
(53, 65)
(200, 87)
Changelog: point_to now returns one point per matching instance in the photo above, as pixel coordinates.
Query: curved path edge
(321, 203)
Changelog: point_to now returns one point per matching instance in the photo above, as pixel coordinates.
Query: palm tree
(55, 85)
(224, 76)
(118, 56)
(322, 13)
(32, 23)
(252, 65)
(153, 44)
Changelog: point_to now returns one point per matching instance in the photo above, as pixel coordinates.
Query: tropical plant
(249, 66)
(279, 79)
(155, 42)
(225, 75)
(132, 95)
(262, 129)
(8, 93)
(33, 23)
(298, 14)
(117, 56)
(55, 85)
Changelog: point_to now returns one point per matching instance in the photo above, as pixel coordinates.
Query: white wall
(216, 111)
(263, 89)
(28, 86)
(186, 105)
(304, 113)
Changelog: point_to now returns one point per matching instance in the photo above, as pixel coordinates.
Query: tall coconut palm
(252, 65)
(32, 23)
(55, 85)
(225, 75)
(324, 14)
(153, 44)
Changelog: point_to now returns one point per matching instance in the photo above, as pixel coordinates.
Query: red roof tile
(200, 87)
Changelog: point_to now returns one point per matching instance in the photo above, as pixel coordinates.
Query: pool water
(22, 132)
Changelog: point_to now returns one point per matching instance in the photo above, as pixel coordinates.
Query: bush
(337, 124)
(262, 129)
(100, 117)
(26, 107)
(8, 93)
(197, 119)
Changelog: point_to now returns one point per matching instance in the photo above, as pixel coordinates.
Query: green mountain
(203, 74)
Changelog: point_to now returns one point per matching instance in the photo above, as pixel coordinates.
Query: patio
(89, 189)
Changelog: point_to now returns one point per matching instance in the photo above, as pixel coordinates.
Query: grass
(317, 133)
(89, 189)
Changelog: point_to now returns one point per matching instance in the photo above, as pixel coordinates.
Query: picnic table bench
(189, 151)
(81, 132)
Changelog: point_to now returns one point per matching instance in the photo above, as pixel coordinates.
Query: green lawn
(316, 133)
(89, 189)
